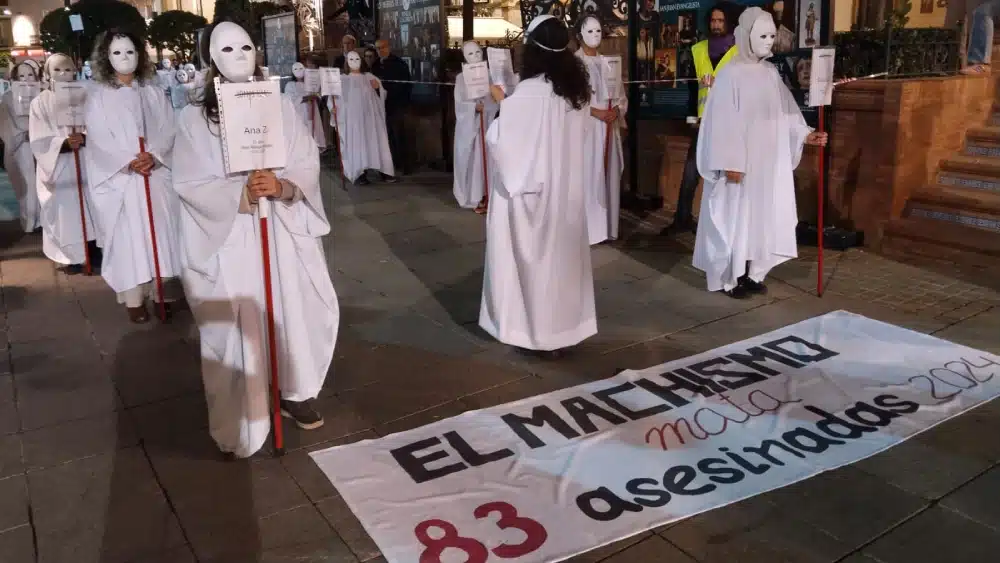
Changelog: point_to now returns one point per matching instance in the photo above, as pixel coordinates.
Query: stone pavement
(105, 457)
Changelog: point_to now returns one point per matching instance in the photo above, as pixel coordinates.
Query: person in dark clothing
(347, 44)
(709, 56)
(395, 75)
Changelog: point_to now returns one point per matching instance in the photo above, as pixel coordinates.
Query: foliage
(248, 14)
(236, 11)
(55, 33)
(98, 16)
(903, 52)
(176, 30)
(900, 15)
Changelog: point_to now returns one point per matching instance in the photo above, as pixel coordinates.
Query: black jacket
(397, 93)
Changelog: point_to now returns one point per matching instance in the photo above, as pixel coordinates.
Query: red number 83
(474, 549)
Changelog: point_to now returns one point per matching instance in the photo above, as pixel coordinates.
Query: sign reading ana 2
(551, 476)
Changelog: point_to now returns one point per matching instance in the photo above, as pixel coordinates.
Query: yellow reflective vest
(703, 67)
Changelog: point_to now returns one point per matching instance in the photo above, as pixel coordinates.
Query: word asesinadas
(422, 459)
(604, 505)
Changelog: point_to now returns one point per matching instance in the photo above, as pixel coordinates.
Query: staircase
(957, 219)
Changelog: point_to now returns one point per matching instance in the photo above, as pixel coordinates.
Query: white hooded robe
(469, 187)
(223, 280)
(19, 161)
(603, 186)
(360, 122)
(538, 287)
(751, 125)
(115, 118)
(308, 111)
(57, 187)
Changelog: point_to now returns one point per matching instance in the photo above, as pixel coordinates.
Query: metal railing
(906, 52)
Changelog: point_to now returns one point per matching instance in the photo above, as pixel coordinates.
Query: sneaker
(753, 287)
(390, 179)
(304, 415)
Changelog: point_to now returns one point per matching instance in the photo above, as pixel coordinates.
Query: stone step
(983, 142)
(977, 166)
(977, 202)
(941, 241)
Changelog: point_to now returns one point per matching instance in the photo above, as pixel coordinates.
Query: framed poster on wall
(281, 43)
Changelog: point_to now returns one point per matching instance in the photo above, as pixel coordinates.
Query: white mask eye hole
(247, 48)
(227, 49)
(117, 53)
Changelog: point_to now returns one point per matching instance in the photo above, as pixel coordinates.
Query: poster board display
(281, 43)
(415, 30)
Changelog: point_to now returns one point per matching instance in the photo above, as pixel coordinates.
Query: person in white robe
(124, 104)
(166, 75)
(472, 118)
(358, 113)
(223, 273)
(605, 161)
(538, 287)
(58, 190)
(749, 144)
(18, 159)
(306, 104)
(182, 92)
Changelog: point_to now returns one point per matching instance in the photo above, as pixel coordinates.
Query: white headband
(534, 25)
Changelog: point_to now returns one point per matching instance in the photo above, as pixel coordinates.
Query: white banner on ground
(555, 475)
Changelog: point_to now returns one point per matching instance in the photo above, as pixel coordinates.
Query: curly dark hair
(730, 10)
(209, 100)
(101, 63)
(562, 68)
(13, 71)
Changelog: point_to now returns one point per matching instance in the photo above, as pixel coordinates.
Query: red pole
(272, 343)
(607, 164)
(152, 236)
(482, 145)
(819, 209)
(83, 213)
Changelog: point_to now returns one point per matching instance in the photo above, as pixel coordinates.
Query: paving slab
(937, 535)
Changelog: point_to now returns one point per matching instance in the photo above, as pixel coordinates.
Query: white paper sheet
(613, 76)
(311, 80)
(501, 68)
(24, 93)
(330, 81)
(477, 80)
(70, 98)
(821, 76)
(253, 136)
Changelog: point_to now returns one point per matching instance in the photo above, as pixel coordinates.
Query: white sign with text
(821, 76)
(330, 81)
(70, 99)
(501, 69)
(23, 94)
(547, 477)
(253, 135)
(476, 77)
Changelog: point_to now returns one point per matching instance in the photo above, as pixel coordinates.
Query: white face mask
(123, 55)
(190, 68)
(167, 64)
(233, 52)
(87, 73)
(61, 69)
(762, 37)
(472, 52)
(25, 74)
(353, 61)
(182, 76)
(590, 31)
(298, 71)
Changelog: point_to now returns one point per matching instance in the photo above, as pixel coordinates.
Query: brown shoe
(138, 315)
(304, 415)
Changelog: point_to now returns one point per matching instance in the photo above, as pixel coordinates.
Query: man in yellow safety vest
(709, 56)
